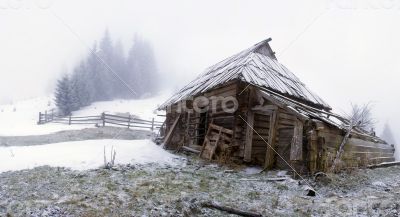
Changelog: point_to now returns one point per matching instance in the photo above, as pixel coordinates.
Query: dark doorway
(202, 127)
(259, 145)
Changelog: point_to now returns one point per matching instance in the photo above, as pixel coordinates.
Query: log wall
(306, 145)
(193, 125)
(358, 151)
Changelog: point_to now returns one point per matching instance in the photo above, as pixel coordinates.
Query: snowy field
(20, 118)
(83, 155)
(143, 108)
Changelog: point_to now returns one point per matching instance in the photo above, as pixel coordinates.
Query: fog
(346, 51)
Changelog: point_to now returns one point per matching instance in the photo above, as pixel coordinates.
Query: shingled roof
(256, 66)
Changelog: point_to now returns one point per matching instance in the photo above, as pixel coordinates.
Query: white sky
(344, 50)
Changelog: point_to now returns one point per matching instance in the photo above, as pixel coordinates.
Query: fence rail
(104, 119)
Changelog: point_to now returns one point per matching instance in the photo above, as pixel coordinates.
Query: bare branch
(361, 117)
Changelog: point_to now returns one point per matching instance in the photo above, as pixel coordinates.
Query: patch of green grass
(282, 187)
(253, 195)
(204, 184)
(111, 186)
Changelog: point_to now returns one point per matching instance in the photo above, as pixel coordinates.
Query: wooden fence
(101, 120)
(46, 116)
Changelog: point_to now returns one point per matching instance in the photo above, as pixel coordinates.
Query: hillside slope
(20, 118)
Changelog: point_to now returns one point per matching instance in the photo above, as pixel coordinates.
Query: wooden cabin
(273, 119)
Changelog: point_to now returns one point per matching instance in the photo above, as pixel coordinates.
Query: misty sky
(344, 50)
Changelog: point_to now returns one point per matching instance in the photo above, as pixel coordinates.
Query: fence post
(103, 117)
(69, 121)
(152, 124)
(40, 118)
(129, 121)
(45, 116)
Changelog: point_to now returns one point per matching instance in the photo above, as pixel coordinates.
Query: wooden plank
(296, 150)
(265, 108)
(313, 151)
(226, 93)
(214, 147)
(186, 135)
(284, 122)
(171, 131)
(116, 123)
(205, 142)
(360, 142)
(283, 148)
(385, 164)
(227, 131)
(353, 148)
(270, 153)
(222, 89)
(216, 136)
(287, 116)
(186, 148)
(249, 136)
(187, 124)
(353, 142)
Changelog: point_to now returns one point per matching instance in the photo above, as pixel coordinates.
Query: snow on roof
(257, 66)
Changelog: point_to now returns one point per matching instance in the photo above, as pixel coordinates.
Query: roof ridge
(255, 65)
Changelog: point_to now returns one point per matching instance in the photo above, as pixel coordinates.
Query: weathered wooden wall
(359, 151)
(193, 125)
(304, 144)
(259, 114)
(259, 146)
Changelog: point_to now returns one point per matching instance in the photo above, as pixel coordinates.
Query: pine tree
(142, 67)
(120, 84)
(81, 86)
(97, 81)
(74, 95)
(107, 76)
(63, 96)
(98, 77)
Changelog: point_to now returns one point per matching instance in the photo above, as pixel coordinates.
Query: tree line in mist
(106, 73)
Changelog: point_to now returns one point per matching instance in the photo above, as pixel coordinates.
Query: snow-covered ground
(82, 155)
(20, 118)
(143, 108)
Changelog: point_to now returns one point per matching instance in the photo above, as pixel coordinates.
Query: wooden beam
(252, 101)
(186, 137)
(264, 108)
(204, 142)
(296, 149)
(230, 210)
(224, 130)
(249, 136)
(341, 148)
(171, 131)
(284, 106)
(313, 152)
(216, 145)
(270, 154)
(186, 148)
(385, 164)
